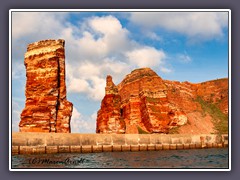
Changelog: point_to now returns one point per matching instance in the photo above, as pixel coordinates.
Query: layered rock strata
(148, 104)
(109, 117)
(46, 108)
(145, 104)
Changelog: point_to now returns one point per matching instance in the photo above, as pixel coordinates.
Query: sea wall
(40, 143)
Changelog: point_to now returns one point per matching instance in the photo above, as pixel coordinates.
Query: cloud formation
(146, 57)
(83, 124)
(16, 111)
(201, 25)
(184, 58)
(105, 48)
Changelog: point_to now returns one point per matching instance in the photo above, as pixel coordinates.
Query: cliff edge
(145, 103)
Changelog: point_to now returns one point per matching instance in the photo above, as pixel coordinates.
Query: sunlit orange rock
(46, 108)
(109, 118)
(144, 102)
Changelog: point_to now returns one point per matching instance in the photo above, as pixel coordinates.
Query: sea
(214, 158)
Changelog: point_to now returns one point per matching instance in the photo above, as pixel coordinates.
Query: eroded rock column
(46, 108)
(110, 117)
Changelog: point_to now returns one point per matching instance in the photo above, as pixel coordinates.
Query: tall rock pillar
(110, 116)
(46, 108)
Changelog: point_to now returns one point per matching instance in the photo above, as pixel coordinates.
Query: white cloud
(82, 124)
(152, 35)
(37, 24)
(18, 71)
(76, 123)
(105, 49)
(114, 35)
(16, 111)
(94, 115)
(88, 69)
(201, 25)
(75, 114)
(100, 38)
(185, 58)
(90, 78)
(97, 89)
(78, 85)
(107, 25)
(91, 48)
(165, 70)
(146, 57)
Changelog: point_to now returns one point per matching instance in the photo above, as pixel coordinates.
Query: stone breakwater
(41, 143)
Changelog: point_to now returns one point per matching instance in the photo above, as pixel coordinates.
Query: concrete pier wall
(38, 143)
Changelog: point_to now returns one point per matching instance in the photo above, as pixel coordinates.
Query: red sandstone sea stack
(145, 103)
(109, 118)
(46, 108)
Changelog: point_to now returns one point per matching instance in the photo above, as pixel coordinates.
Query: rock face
(46, 108)
(109, 118)
(145, 103)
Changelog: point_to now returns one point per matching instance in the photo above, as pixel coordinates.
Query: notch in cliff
(46, 108)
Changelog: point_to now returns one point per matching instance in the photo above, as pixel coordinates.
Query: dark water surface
(194, 158)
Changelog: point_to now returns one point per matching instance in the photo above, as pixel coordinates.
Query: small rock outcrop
(46, 108)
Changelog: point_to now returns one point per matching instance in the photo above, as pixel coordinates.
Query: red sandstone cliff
(109, 116)
(143, 102)
(46, 108)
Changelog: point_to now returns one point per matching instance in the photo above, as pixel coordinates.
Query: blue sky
(182, 46)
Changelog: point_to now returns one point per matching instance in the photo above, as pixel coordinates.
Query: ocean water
(184, 159)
